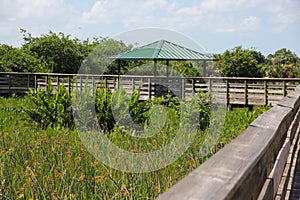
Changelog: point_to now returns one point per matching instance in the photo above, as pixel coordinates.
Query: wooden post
(210, 88)
(28, 81)
(266, 92)
(57, 78)
(227, 94)
(119, 67)
(246, 93)
(118, 82)
(133, 85)
(149, 87)
(35, 82)
(46, 82)
(193, 87)
(9, 84)
(69, 84)
(105, 85)
(284, 88)
(167, 73)
(154, 70)
(204, 68)
(80, 83)
(182, 88)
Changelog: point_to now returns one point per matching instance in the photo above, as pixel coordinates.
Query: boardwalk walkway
(232, 91)
(295, 191)
(259, 164)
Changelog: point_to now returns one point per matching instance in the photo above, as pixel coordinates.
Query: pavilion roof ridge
(163, 50)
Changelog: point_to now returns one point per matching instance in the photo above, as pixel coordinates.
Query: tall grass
(49, 163)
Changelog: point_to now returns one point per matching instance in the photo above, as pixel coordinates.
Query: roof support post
(204, 68)
(119, 67)
(167, 73)
(155, 63)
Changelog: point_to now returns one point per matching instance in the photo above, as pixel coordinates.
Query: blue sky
(216, 25)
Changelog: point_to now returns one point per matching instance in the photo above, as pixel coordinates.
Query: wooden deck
(259, 164)
(243, 91)
(295, 187)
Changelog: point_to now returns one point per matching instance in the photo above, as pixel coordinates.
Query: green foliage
(100, 59)
(18, 60)
(83, 107)
(138, 110)
(103, 103)
(283, 64)
(185, 68)
(48, 163)
(51, 110)
(119, 109)
(283, 56)
(204, 109)
(240, 62)
(61, 53)
(237, 121)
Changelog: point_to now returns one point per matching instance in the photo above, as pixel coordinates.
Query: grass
(51, 163)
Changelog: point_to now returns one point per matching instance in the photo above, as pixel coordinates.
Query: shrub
(51, 109)
(103, 103)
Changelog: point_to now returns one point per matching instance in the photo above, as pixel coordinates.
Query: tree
(60, 53)
(283, 64)
(101, 58)
(185, 68)
(240, 62)
(18, 60)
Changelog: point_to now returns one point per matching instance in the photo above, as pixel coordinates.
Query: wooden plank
(216, 178)
(278, 168)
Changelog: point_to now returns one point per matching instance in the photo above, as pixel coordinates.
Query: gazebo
(163, 50)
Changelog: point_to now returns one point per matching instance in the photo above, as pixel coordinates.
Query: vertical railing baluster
(266, 92)
(227, 94)
(246, 92)
(284, 88)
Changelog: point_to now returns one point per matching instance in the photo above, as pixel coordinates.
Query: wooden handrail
(236, 90)
(255, 165)
(207, 78)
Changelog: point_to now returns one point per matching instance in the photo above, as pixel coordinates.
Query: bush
(109, 110)
(103, 102)
(51, 110)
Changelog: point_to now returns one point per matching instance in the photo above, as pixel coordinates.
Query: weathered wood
(246, 91)
(251, 165)
(277, 171)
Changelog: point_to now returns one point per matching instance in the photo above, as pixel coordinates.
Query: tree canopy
(60, 53)
(240, 62)
(18, 60)
(283, 64)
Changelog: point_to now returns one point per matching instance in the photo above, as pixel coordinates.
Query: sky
(216, 25)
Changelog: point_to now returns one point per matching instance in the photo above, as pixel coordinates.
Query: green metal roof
(162, 50)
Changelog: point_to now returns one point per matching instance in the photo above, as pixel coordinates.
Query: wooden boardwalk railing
(245, 91)
(259, 164)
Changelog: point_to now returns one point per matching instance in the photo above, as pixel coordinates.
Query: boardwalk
(243, 91)
(295, 187)
(259, 164)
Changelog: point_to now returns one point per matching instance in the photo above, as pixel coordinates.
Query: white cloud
(286, 13)
(229, 5)
(29, 9)
(233, 17)
(245, 26)
(36, 16)
(101, 12)
(129, 13)
(208, 15)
